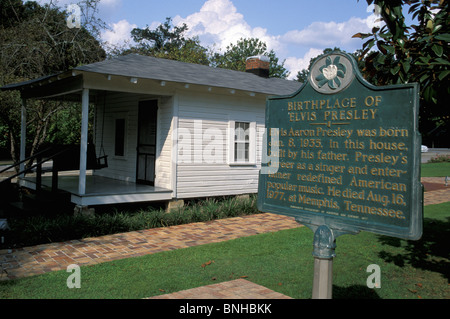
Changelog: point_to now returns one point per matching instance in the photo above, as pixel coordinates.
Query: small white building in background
(170, 130)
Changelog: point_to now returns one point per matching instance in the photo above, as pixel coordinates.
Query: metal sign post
(323, 278)
(324, 245)
(324, 251)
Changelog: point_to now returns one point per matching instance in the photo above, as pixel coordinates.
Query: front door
(146, 146)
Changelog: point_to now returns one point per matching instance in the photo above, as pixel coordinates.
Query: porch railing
(41, 157)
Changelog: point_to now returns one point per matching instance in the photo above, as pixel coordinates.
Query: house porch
(102, 190)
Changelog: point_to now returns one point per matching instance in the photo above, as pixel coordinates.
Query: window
(119, 143)
(242, 143)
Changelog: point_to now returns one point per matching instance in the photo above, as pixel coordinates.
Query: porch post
(23, 135)
(84, 141)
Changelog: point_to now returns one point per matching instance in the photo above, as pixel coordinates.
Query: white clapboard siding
(110, 107)
(203, 120)
(164, 143)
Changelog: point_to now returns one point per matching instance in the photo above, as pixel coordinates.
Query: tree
(169, 42)
(396, 53)
(236, 54)
(163, 38)
(35, 41)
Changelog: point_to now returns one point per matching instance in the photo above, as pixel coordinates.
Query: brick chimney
(259, 65)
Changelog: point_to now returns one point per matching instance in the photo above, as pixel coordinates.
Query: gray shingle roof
(13, 86)
(145, 67)
(134, 65)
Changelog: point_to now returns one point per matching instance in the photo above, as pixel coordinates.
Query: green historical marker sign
(343, 153)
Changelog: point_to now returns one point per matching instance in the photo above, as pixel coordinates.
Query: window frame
(232, 160)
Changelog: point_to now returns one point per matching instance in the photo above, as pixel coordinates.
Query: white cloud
(218, 23)
(110, 3)
(326, 35)
(330, 34)
(119, 33)
(294, 64)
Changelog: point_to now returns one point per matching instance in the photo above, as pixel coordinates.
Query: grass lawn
(435, 169)
(280, 261)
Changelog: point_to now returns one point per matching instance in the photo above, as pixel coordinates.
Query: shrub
(440, 159)
(41, 229)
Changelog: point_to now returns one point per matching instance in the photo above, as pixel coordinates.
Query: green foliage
(235, 56)
(439, 168)
(35, 41)
(396, 53)
(168, 42)
(65, 126)
(163, 38)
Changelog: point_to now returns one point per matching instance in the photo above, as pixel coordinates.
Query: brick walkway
(435, 190)
(235, 289)
(40, 259)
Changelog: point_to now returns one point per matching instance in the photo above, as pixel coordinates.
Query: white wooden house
(171, 130)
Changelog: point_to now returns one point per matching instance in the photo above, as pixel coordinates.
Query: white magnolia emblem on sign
(331, 74)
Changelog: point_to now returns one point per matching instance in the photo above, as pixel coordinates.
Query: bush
(36, 230)
(440, 159)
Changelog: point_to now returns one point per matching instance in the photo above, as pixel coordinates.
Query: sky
(297, 30)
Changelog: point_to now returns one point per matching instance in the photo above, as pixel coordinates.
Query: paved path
(435, 190)
(40, 259)
(234, 289)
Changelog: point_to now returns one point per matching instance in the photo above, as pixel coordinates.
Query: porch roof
(145, 67)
